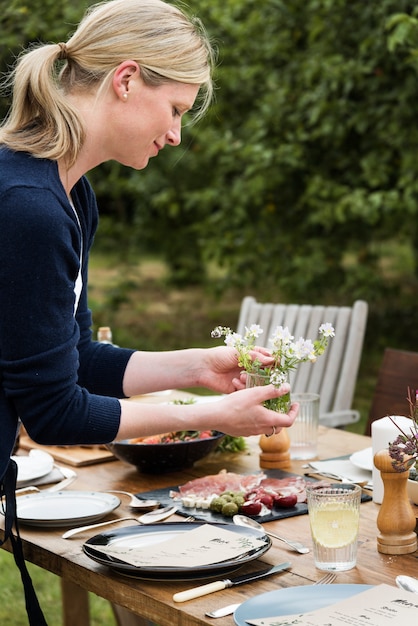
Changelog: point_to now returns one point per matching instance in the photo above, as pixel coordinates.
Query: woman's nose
(174, 134)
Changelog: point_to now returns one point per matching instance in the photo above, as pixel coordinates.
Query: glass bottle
(104, 334)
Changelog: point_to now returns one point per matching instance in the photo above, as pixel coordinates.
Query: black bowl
(161, 458)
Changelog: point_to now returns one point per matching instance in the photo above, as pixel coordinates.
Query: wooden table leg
(75, 604)
(126, 618)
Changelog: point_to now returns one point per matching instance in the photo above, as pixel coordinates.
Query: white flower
(287, 354)
(281, 337)
(327, 330)
(304, 350)
(234, 340)
(254, 331)
(277, 378)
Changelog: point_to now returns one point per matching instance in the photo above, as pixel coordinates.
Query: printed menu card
(204, 545)
(377, 606)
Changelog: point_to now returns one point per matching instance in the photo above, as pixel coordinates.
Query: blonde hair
(167, 44)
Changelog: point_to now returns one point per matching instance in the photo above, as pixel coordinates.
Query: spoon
(407, 583)
(136, 503)
(148, 518)
(242, 520)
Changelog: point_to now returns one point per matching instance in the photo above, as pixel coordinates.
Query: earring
(125, 96)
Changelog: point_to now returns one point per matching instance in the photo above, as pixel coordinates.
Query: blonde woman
(117, 89)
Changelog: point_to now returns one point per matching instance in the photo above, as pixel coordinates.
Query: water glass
(304, 431)
(334, 514)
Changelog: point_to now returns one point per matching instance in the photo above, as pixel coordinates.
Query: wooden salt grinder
(275, 450)
(396, 520)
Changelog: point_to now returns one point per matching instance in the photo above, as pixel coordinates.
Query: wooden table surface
(153, 600)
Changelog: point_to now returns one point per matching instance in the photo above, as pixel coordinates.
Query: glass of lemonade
(334, 513)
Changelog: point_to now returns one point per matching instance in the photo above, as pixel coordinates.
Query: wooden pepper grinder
(396, 519)
(275, 450)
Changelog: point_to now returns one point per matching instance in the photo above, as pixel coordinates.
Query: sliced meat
(218, 483)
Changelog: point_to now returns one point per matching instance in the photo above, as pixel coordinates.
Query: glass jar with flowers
(287, 355)
(286, 352)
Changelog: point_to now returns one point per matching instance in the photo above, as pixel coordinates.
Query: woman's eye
(176, 112)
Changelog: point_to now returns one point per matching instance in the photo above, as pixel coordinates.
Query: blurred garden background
(299, 185)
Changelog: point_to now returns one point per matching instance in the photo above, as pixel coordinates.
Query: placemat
(163, 496)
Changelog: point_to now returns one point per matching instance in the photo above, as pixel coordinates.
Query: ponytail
(166, 44)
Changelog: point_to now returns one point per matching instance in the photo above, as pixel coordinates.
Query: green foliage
(313, 146)
(48, 590)
(303, 174)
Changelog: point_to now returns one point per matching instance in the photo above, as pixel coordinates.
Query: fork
(228, 610)
(327, 579)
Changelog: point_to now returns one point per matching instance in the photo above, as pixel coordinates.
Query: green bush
(302, 177)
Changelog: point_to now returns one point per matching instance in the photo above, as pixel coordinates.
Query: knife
(218, 585)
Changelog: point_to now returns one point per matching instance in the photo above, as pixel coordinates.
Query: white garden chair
(334, 374)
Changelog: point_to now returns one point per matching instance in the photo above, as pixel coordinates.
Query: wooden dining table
(154, 599)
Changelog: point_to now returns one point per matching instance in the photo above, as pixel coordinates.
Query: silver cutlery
(407, 583)
(218, 585)
(364, 484)
(243, 520)
(223, 611)
(137, 503)
(148, 518)
(327, 579)
(23, 490)
(231, 608)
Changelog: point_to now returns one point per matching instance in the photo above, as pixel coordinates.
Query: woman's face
(145, 119)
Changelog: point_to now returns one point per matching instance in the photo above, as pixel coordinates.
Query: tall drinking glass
(334, 514)
(304, 431)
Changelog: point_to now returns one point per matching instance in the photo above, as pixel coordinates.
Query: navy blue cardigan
(61, 384)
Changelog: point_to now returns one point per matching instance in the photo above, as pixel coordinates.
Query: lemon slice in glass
(334, 526)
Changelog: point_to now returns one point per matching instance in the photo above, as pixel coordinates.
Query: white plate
(363, 459)
(294, 601)
(33, 466)
(64, 508)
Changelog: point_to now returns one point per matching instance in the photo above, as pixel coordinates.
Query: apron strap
(7, 490)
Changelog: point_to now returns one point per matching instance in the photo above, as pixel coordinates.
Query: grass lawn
(145, 313)
(48, 589)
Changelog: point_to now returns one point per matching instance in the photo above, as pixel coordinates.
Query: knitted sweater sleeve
(52, 372)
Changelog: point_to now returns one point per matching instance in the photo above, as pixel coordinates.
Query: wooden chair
(334, 375)
(398, 371)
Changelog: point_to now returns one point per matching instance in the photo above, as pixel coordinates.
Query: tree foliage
(311, 170)
(303, 176)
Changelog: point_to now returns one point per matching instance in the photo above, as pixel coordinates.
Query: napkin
(344, 470)
(202, 546)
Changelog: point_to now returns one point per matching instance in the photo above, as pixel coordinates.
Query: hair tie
(63, 51)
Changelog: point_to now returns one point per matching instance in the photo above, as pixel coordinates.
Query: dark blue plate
(132, 536)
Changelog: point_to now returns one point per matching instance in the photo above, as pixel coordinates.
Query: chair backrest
(334, 374)
(397, 373)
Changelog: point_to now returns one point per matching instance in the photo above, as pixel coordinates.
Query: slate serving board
(163, 496)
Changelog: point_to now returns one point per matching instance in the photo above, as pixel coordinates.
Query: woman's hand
(238, 414)
(243, 414)
(220, 371)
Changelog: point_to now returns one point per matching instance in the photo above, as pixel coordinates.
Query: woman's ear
(124, 74)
